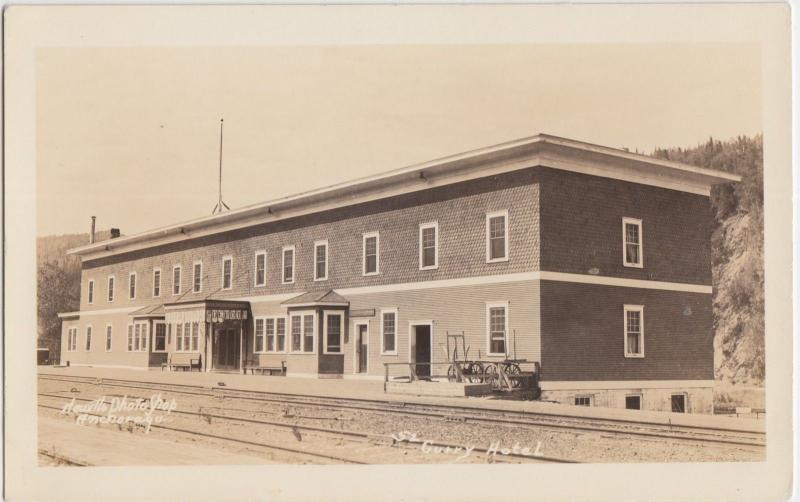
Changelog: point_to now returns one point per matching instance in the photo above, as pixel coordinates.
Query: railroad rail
(617, 427)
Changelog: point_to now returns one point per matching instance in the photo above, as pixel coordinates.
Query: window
(227, 272)
(72, 339)
(497, 236)
(678, 402)
(429, 246)
(632, 242)
(195, 336)
(583, 400)
(176, 280)
(371, 253)
(156, 282)
(132, 285)
(634, 331)
(137, 336)
(261, 269)
(280, 334)
(90, 292)
(130, 337)
(197, 276)
(321, 260)
(160, 337)
(110, 288)
(497, 327)
(288, 265)
(179, 337)
(187, 337)
(633, 402)
(303, 331)
(333, 329)
(109, 331)
(258, 333)
(270, 334)
(88, 338)
(389, 331)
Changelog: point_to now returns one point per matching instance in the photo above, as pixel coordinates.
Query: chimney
(91, 233)
(115, 233)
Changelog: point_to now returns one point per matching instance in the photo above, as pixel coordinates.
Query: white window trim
(590, 397)
(135, 285)
(685, 401)
(356, 347)
(302, 314)
(111, 292)
(72, 336)
(364, 238)
(160, 282)
(188, 337)
(396, 328)
(180, 279)
(489, 306)
(325, 315)
(633, 308)
(637, 222)
(489, 216)
(109, 346)
(285, 334)
(283, 264)
(316, 245)
(641, 400)
(222, 273)
(194, 264)
(166, 345)
(423, 226)
(90, 287)
(260, 252)
(91, 342)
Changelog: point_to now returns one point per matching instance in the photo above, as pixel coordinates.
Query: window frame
(131, 332)
(179, 268)
(302, 314)
(364, 237)
(641, 401)
(275, 319)
(135, 285)
(317, 244)
(194, 277)
(506, 237)
(226, 258)
(325, 315)
(633, 308)
(72, 339)
(256, 284)
(293, 249)
(109, 337)
(422, 227)
(111, 284)
(638, 222)
(390, 310)
(583, 396)
(489, 307)
(157, 294)
(155, 334)
(88, 331)
(685, 396)
(90, 292)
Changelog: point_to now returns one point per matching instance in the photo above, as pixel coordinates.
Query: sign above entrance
(219, 315)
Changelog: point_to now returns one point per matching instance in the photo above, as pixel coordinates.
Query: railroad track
(616, 427)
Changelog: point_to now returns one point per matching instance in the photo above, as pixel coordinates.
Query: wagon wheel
(513, 371)
(475, 372)
(491, 375)
(452, 374)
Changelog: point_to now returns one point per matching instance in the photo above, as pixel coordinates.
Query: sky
(131, 135)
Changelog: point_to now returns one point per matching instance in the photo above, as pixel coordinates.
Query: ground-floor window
(633, 402)
(334, 327)
(389, 332)
(108, 337)
(137, 337)
(270, 334)
(497, 327)
(160, 337)
(72, 339)
(678, 402)
(634, 331)
(303, 332)
(187, 337)
(88, 338)
(583, 400)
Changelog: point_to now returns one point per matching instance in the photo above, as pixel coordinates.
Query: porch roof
(155, 310)
(329, 298)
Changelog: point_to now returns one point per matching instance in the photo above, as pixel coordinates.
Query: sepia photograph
(394, 251)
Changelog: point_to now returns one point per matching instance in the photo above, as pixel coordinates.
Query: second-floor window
(176, 280)
(632, 242)
(261, 269)
(90, 293)
(157, 282)
(227, 272)
(320, 260)
(428, 246)
(497, 236)
(132, 286)
(287, 265)
(197, 276)
(111, 288)
(371, 250)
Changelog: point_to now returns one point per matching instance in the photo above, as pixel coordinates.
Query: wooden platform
(443, 389)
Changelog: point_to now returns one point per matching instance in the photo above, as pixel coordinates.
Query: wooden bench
(268, 370)
(183, 361)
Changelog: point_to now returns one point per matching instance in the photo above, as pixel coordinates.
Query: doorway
(226, 349)
(362, 347)
(421, 348)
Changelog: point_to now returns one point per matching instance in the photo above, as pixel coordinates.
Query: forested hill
(737, 246)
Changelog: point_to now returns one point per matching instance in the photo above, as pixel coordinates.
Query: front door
(226, 353)
(422, 350)
(362, 335)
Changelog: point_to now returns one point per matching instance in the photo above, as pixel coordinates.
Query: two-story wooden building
(594, 262)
